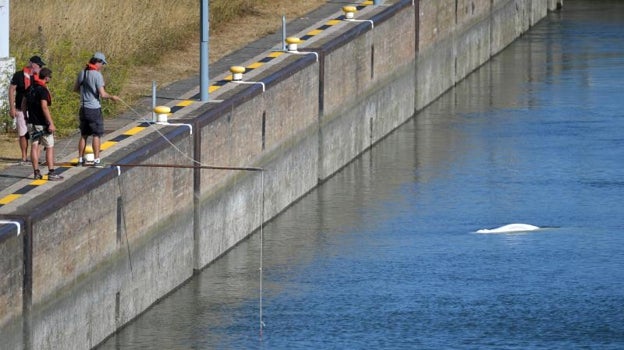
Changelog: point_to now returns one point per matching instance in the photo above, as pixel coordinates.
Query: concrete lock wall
(363, 79)
(101, 247)
(456, 39)
(264, 129)
(12, 281)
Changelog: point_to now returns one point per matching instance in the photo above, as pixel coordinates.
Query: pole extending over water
(180, 166)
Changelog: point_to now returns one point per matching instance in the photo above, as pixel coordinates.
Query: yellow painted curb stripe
(9, 198)
(134, 130)
(185, 103)
(106, 145)
(315, 32)
(255, 65)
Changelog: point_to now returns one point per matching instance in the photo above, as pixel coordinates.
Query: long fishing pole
(180, 166)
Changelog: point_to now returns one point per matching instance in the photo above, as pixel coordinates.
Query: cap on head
(37, 60)
(100, 56)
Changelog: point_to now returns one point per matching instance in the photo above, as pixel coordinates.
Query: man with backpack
(20, 82)
(40, 124)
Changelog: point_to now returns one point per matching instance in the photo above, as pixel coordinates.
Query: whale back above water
(510, 228)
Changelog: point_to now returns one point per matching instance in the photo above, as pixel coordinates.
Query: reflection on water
(384, 254)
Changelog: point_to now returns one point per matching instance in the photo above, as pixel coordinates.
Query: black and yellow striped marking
(217, 85)
(212, 88)
(22, 191)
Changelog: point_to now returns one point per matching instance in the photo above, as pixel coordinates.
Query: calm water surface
(384, 254)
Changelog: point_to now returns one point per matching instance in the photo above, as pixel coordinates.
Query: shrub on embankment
(132, 34)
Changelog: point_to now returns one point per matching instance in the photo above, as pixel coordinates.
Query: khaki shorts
(46, 140)
(20, 122)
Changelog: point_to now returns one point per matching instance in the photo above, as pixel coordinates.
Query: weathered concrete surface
(11, 281)
(363, 79)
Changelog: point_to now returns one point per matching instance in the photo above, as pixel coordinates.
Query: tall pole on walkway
(203, 54)
(7, 64)
(4, 28)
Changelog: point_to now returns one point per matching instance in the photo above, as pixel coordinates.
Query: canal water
(385, 254)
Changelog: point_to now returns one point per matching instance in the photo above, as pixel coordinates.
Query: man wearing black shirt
(20, 82)
(40, 124)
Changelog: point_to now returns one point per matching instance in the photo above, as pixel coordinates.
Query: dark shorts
(91, 122)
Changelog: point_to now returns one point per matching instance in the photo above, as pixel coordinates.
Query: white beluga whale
(510, 228)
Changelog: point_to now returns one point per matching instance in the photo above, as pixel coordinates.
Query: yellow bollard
(292, 43)
(161, 113)
(349, 11)
(237, 72)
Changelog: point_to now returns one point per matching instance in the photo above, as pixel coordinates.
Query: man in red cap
(19, 84)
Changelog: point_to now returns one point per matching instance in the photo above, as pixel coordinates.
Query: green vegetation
(132, 34)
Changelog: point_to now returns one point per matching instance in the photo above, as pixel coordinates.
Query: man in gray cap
(90, 85)
(20, 82)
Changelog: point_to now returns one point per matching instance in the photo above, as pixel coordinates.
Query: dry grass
(227, 37)
(10, 149)
(124, 29)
